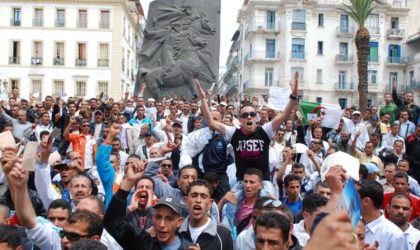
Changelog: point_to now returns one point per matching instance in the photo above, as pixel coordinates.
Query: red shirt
(415, 201)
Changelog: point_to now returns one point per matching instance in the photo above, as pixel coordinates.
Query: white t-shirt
(196, 231)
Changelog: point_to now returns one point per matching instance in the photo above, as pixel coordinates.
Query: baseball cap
(64, 163)
(374, 118)
(356, 112)
(149, 133)
(177, 121)
(170, 202)
(223, 104)
(371, 167)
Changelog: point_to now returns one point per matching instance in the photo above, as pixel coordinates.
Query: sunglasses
(272, 203)
(72, 236)
(246, 114)
(85, 125)
(315, 142)
(166, 165)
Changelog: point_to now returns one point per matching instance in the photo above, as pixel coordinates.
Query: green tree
(359, 11)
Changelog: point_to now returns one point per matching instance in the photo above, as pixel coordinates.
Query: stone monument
(181, 42)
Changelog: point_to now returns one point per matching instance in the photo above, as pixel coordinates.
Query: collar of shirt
(374, 225)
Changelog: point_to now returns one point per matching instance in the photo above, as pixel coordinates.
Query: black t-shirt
(251, 151)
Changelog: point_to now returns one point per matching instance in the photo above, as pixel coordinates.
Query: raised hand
(18, 176)
(199, 89)
(294, 84)
(134, 173)
(45, 150)
(8, 159)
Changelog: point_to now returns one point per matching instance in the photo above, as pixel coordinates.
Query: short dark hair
(312, 202)
(186, 167)
(60, 203)
(200, 182)
(254, 171)
(11, 236)
(400, 195)
(298, 165)
(94, 222)
(401, 175)
(373, 190)
(147, 178)
(88, 244)
(289, 178)
(134, 156)
(363, 171)
(99, 202)
(259, 202)
(44, 132)
(276, 221)
(286, 210)
(322, 184)
(211, 177)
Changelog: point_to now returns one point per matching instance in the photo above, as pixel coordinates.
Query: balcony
(266, 28)
(60, 23)
(395, 34)
(259, 84)
(298, 26)
(103, 62)
(37, 60)
(344, 86)
(14, 22)
(345, 31)
(411, 87)
(80, 62)
(374, 87)
(37, 22)
(398, 3)
(104, 24)
(344, 59)
(265, 56)
(14, 60)
(297, 56)
(82, 24)
(373, 59)
(395, 61)
(231, 85)
(58, 61)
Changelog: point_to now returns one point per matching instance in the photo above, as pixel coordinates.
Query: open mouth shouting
(143, 197)
(197, 210)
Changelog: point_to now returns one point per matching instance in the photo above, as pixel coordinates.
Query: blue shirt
(294, 206)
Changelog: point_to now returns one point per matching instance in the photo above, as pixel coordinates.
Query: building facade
(278, 38)
(69, 48)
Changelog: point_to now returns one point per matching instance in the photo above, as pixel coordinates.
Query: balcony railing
(267, 27)
(103, 62)
(82, 24)
(37, 60)
(37, 22)
(80, 62)
(411, 58)
(344, 58)
(262, 55)
(14, 22)
(231, 84)
(298, 26)
(374, 59)
(398, 3)
(297, 55)
(344, 86)
(58, 61)
(345, 30)
(103, 24)
(60, 23)
(395, 60)
(14, 60)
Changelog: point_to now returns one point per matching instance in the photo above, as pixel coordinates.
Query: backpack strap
(144, 151)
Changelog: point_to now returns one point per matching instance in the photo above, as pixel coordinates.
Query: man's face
(356, 118)
(398, 146)
(93, 104)
(289, 125)
(150, 139)
(270, 239)
(166, 223)
(199, 124)
(21, 116)
(400, 185)
(67, 173)
(280, 136)
(399, 211)
(140, 102)
(293, 189)
(144, 129)
(186, 109)
(299, 172)
(154, 153)
(318, 133)
(388, 98)
(85, 127)
(395, 129)
(252, 185)
(309, 218)
(222, 108)
(80, 188)
(374, 109)
(231, 110)
(24, 105)
(199, 202)
(367, 114)
(166, 166)
(186, 177)
(48, 102)
(177, 129)
(159, 106)
(368, 148)
(121, 119)
(248, 119)
(146, 187)
(345, 137)
(404, 116)
(409, 97)
(58, 216)
(403, 166)
(15, 111)
(316, 145)
(75, 156)
(386, 118)
(324, 191)
(116, 146)
(194, 107)
(72, 109)
(173, 109)
(74, 232)
(140, 112)
(114, 161)
(45, 118)
(389, 173)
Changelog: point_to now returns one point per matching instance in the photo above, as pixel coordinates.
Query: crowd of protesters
(134, 174)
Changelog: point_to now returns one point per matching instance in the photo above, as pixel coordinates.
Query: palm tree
(360, 10)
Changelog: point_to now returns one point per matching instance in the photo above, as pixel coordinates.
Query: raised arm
(213, 125)
(71, 123)
(281, 117)
(353, 144)
(395, 97)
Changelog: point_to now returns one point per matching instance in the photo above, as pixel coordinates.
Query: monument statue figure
(176, 49)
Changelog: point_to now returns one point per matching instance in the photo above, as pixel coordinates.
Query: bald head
(217, 116)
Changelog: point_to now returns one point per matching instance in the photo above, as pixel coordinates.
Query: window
(15, 58)
(11, 84)
(16, 17)
(270, 48)
(321, 19)
(372, 23)
(61, 18)
(38, 18)
(103, 60)
(320, 50)
(36, 89)
(300, 70)
(395, 23)
(319, 75)
(343, 51)
(369, 102)
(104, 23)
(319, 99)
(268, 80)
(59, 54)
(80, 88)
(298, 22)
(373, 52)
(82, 22)
(394, 53)
(37, 53)
(372, 76)
(81, 54)
(123, 61)
(298, 48)
(58, 88)
(103, 88)
(393, 78)
(344, 23)
(342, 75)
(270, 19)
(411, 77)
(342, 102)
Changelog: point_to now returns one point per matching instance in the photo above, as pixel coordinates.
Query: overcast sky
(228, 24)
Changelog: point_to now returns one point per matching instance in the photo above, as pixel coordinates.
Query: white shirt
(97, 131)
(389, 236)
(388, 140)
(245, 240)
(300, 233)
(349, 126)
(412, 236)
(196, 231)
(184, 119)
(109, 241)
(309, 165)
